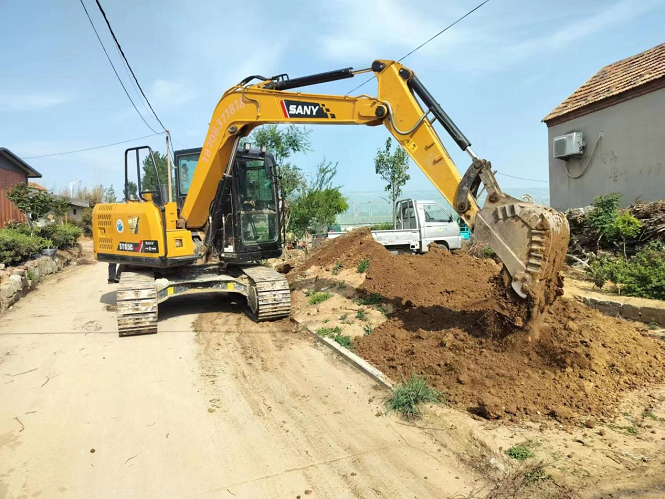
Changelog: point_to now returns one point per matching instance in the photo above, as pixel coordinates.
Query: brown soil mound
(454, 325)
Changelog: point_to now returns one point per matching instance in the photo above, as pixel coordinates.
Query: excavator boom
(531, 240)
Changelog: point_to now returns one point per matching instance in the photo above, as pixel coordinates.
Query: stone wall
(16, 282)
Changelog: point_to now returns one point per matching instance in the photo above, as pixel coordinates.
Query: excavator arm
(531, 240)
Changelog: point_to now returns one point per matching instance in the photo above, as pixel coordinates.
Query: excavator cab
(244, 223)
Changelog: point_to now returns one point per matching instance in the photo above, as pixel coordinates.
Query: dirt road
(234, 410)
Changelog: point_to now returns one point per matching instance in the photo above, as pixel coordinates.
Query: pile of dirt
(456, 324)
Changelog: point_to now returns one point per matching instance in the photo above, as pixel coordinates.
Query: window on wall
(74, 211)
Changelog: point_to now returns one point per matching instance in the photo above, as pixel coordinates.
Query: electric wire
(114, 70)
(426, 42)
(91, 148)
(522, 178)
(108, 24)
(588, 161)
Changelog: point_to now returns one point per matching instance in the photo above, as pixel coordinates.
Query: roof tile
(615, 79)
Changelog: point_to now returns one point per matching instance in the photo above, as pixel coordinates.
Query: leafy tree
(32, 203)
(392, 167)
(149, 180)
(132, 190)
(318, 202)
(282, 143)
(623, 227)
(59, 207)
(605, 210)
(611, 223)
(109, 195)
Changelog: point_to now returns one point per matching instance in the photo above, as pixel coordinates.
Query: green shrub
(642, 275)
(408, 395)
(336, 268)
(520, 452)
(604, 211)
(318, 298)
(16, 246)
(61, 234)
(360, 314)
(363, 265)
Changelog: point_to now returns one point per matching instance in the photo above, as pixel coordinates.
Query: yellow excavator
(227, 214)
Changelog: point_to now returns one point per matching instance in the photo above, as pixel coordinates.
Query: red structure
(13, 170)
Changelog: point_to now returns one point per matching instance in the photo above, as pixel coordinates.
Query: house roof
(617, 82)
(13, 158)
(83, 203)
(37, 186)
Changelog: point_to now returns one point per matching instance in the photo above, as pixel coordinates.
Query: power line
(91, 148)
(426, 42)
(522, 178)
(128, 65)
(114, 70)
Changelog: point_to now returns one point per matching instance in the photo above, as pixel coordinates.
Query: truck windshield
(256, 200)
(434, 213)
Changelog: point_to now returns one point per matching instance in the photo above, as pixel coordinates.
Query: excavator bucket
(531, 240)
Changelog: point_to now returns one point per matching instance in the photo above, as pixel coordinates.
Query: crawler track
(137, 303)
(269, 297)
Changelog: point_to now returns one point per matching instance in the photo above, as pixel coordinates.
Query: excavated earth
(457, 324)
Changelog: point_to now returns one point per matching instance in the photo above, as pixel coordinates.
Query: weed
(343, 340)
(519, 452)
(341, 285)
(367, 329)
(343, 317)
(536, 475)
(360, 314)
(328, 331)
(31, 275)
(382, 310)
(315, 298)
(326, 321)
(371, 299)
(335, 333)
(653, 325)
(337, 267)
(408, 395)
(631, 429)
(487, 252)
(652, 416)
(363, 265)
(308, 292)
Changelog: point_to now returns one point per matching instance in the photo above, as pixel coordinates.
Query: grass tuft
(519, 452)
(335, 333)
(337, 268)
(408, 395)
(315, 298)
(363, 265)
(360, 314)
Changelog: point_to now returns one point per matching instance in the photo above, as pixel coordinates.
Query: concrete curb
(625, 310)
(357, 362)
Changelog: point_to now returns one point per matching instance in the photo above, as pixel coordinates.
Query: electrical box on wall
(565, 146)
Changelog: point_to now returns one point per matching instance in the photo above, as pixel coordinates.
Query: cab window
(435, 213)
(186, 166)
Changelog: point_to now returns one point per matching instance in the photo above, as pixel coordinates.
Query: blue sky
(497, 73)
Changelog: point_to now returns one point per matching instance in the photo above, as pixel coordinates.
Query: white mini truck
(417, 224)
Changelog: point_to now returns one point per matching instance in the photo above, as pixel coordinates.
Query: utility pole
(168, 163)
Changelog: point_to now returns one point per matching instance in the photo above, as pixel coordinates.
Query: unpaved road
(236, 409)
